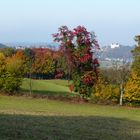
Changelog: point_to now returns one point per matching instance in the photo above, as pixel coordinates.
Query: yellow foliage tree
(132, 92)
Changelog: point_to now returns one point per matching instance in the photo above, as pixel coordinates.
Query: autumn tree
(111, 84)
(43, 62)
(77, 46)
(118, 75)
(61, 67)
(8, 52)
(132, 94)
(11, 72)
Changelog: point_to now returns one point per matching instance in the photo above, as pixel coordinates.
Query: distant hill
(121, 52)
(31, 45)
(3, 46)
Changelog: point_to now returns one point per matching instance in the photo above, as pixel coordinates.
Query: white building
(114, 45)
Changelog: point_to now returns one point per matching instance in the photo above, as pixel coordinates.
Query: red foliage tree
(78, 46)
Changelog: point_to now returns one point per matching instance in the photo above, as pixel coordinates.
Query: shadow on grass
(25, 127)
(51, 93)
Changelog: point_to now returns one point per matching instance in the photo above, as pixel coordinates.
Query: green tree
(11, 73)
(132, 94)
(8, 52)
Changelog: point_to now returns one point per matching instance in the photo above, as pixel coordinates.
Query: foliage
(111, 82)
(2, 69)
(61, 67)
(15, 64)
(11, 83)
(8, 52)
(77, 46)
(43, 61)
(116, 74)
(133, 85)
(132, 92)
(105, 92)
(136, 57)
(12, 72)
(29, 58)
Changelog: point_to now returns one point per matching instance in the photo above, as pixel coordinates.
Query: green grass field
(26, 118)
(48, 87)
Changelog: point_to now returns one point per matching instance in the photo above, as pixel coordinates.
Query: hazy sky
(35, 20)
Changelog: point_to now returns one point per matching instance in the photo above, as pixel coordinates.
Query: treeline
(36, 63)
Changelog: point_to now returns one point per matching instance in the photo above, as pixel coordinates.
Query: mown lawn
(48, 87)
(32, 119)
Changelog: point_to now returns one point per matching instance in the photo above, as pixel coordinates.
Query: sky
(113, 21)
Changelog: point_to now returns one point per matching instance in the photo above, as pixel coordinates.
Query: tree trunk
(121, 94)
(30, 84)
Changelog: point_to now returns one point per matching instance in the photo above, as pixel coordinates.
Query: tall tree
(77, 46)
(132, 94)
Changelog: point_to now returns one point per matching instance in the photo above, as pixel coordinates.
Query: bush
(11, 83)
(11, 73)
(106, 94)
(132, 92)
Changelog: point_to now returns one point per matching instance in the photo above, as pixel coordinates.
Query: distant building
(114, 45)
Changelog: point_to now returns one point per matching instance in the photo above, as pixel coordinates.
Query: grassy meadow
(28, 118)
(48, 87)
(32, 119)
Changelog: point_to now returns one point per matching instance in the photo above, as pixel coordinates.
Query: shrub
(11, 83)
(106, 94)
(132, 92)
(11, 73)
